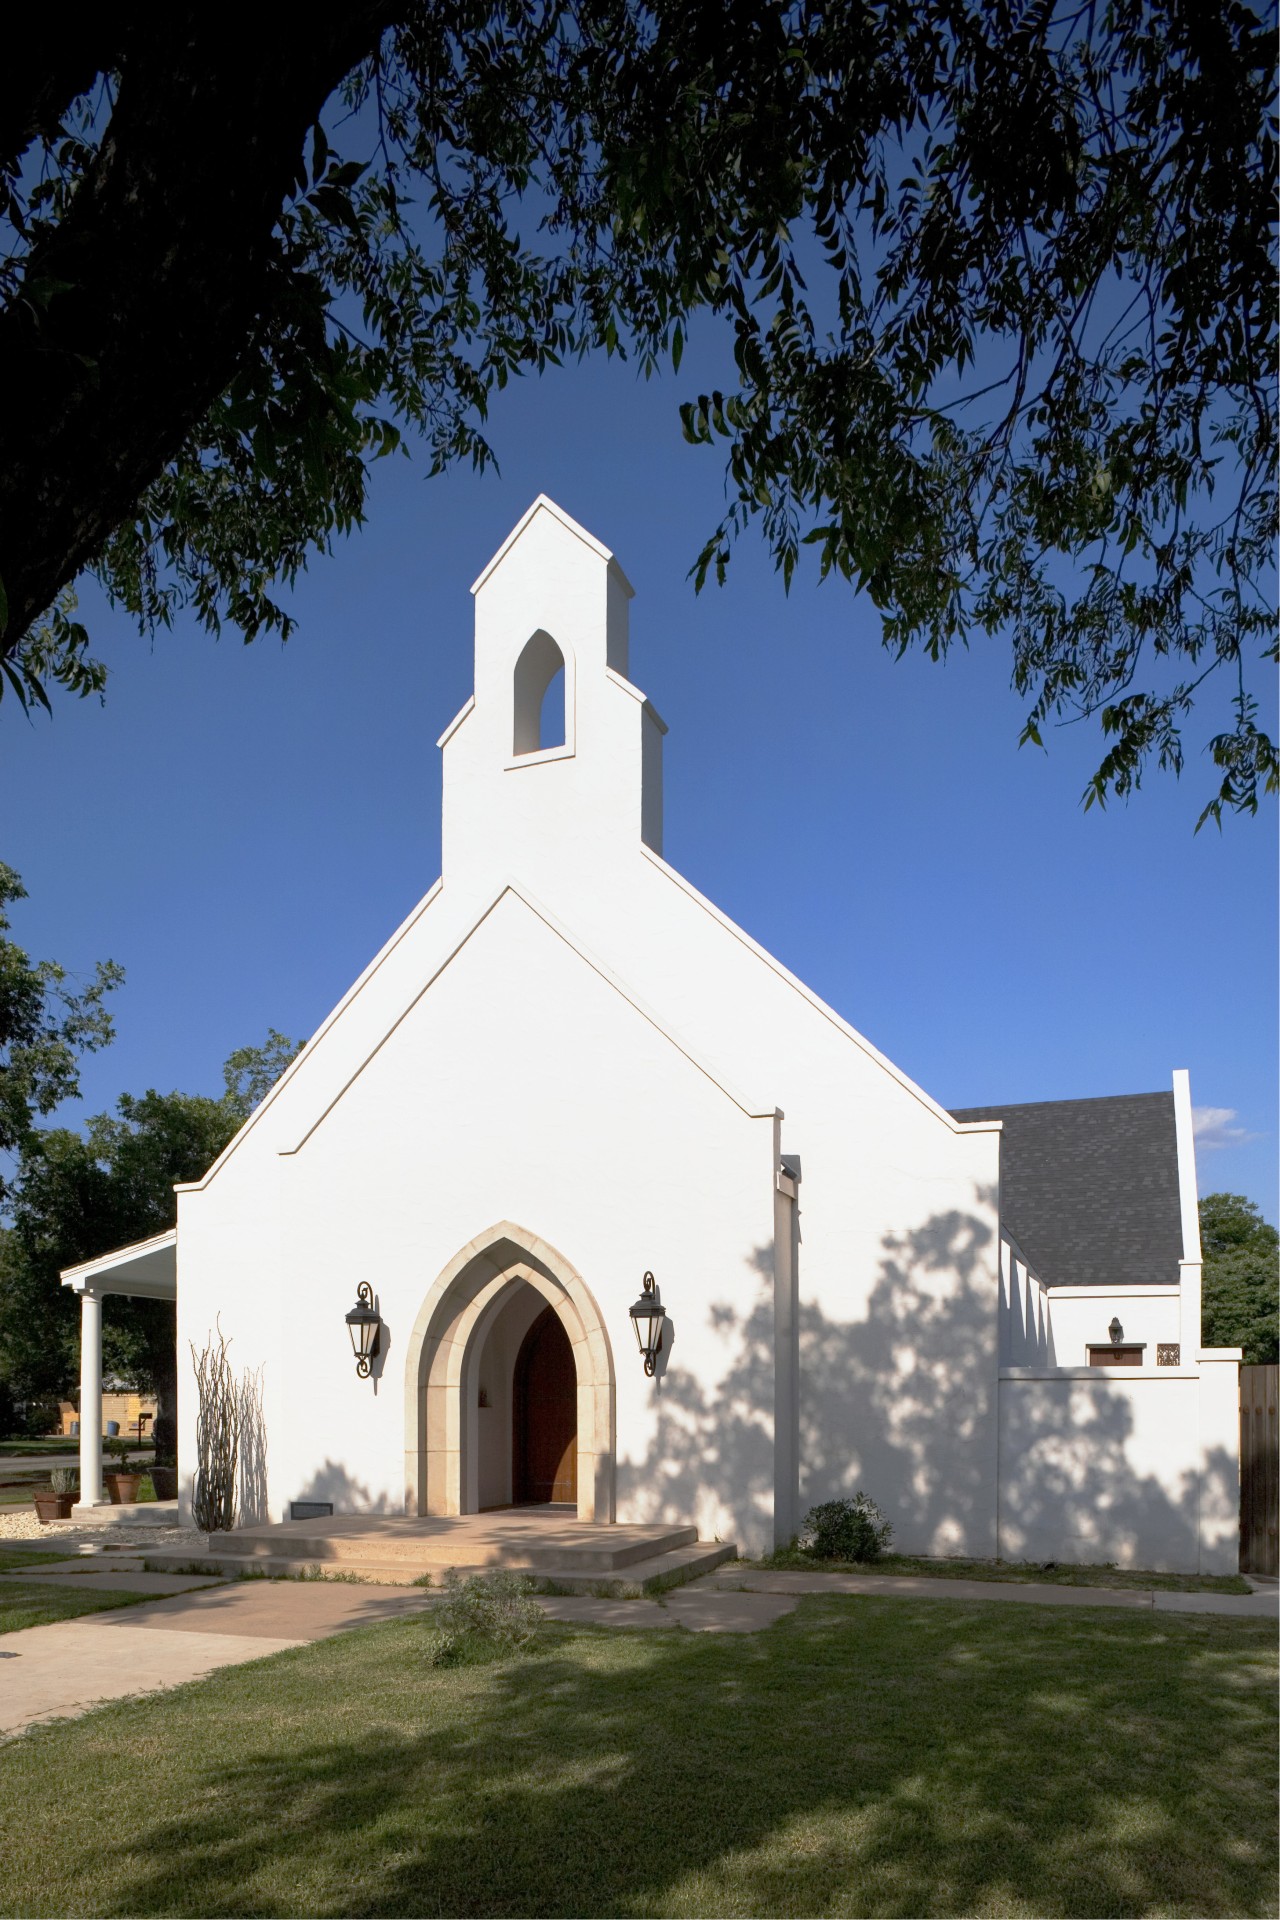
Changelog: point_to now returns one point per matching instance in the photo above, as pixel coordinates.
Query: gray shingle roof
(1089, 1188)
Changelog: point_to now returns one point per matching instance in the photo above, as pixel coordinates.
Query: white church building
(568, 1069)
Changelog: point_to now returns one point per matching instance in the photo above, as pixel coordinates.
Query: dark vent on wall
(311, 1509)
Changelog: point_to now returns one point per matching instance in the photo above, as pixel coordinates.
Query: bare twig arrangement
(217, 1437)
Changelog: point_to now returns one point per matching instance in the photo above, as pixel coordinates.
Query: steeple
(557, 757)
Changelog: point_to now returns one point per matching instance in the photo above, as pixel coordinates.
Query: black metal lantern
(647, 1317)
(364, 1324)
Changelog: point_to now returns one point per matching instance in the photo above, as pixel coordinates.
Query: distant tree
(44, 1028)
(77, 1195)
(1241, 1298)
(997, 275)
(251, 1072)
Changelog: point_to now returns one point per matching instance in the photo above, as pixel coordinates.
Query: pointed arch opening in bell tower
(539, 697)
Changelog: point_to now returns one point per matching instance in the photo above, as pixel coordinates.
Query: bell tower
(555, 763)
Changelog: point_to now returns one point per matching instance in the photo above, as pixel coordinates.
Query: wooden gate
(1259, 1471)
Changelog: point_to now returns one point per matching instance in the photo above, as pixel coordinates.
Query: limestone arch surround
(441, 1422)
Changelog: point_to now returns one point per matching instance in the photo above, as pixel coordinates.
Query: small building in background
(124, 1410)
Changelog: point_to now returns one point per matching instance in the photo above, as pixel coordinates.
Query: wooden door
(545, 1416)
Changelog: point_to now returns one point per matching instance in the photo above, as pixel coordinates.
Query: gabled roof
(544, 504)
(1089, 1188)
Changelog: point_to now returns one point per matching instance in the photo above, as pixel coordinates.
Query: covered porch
(147, 1270)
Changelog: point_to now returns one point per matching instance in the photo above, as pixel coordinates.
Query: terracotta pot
(122, 1488)
(53, 1506)
(165, 1482)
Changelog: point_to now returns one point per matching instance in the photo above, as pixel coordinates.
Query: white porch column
(90, 1399)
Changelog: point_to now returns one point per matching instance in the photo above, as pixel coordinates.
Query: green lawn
(863, 1756)
(14, 1559)
(796, 1560)
(32, 1603)
(52, 1443)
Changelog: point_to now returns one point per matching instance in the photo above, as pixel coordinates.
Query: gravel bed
(26, 1526)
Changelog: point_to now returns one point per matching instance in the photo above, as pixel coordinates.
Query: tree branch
(135, 309)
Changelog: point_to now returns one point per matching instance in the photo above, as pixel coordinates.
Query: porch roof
(147, 1270)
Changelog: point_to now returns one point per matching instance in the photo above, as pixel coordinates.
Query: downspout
(786, 1343)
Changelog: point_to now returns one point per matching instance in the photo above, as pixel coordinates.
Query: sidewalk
(189, 1626)
(48, 1673)
(1264, 1604)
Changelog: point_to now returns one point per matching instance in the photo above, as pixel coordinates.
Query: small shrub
(39, 1419)
(847, 1530)
(482, 1616)
(64, 1480)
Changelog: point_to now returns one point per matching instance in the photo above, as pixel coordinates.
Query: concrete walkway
(1264, 1604)
(51, 1672)
(188, 1626)
(96, 1573)
(709, 1612)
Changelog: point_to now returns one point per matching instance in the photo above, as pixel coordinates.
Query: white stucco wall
(1134, 1467)
(567, 1035)
(522, 1086)
(1056, 1326)
(1080, 1317)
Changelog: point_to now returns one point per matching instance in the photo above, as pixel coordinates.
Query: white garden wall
(1134, 1467)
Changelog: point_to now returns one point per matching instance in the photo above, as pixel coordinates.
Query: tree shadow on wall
(253, 1450)
(333, 1481)
(902, 1402)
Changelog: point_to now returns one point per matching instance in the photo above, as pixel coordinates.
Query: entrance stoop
(558, 1551)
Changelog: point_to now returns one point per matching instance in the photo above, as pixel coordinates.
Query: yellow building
(123, 1406)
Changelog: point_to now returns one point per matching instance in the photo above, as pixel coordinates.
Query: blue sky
(243, 827)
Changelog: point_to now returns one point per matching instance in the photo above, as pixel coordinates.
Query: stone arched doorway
(460, 1377)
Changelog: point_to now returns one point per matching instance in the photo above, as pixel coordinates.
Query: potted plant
(56, 1501)
(122, 1485)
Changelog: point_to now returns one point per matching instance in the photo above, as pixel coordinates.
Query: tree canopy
(249, 1073)
(77, 1195)
(44, 1028)
(997, 276)
(1241, 1286)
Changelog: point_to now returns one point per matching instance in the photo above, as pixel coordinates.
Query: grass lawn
(14, 1559)
(862, 1756)
(796, 1560)
(31, 1603)
(52, 1443)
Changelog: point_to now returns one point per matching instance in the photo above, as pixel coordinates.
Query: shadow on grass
(860, 1757)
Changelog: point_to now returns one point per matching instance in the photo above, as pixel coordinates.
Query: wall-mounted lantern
(647, 1317)
(364, 1324)
(1116, 1331)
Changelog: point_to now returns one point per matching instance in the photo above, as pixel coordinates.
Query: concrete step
(144, 1513)
(652, 1573)
(592, 1551)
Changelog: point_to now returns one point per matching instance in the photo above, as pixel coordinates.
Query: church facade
(567, 1070)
